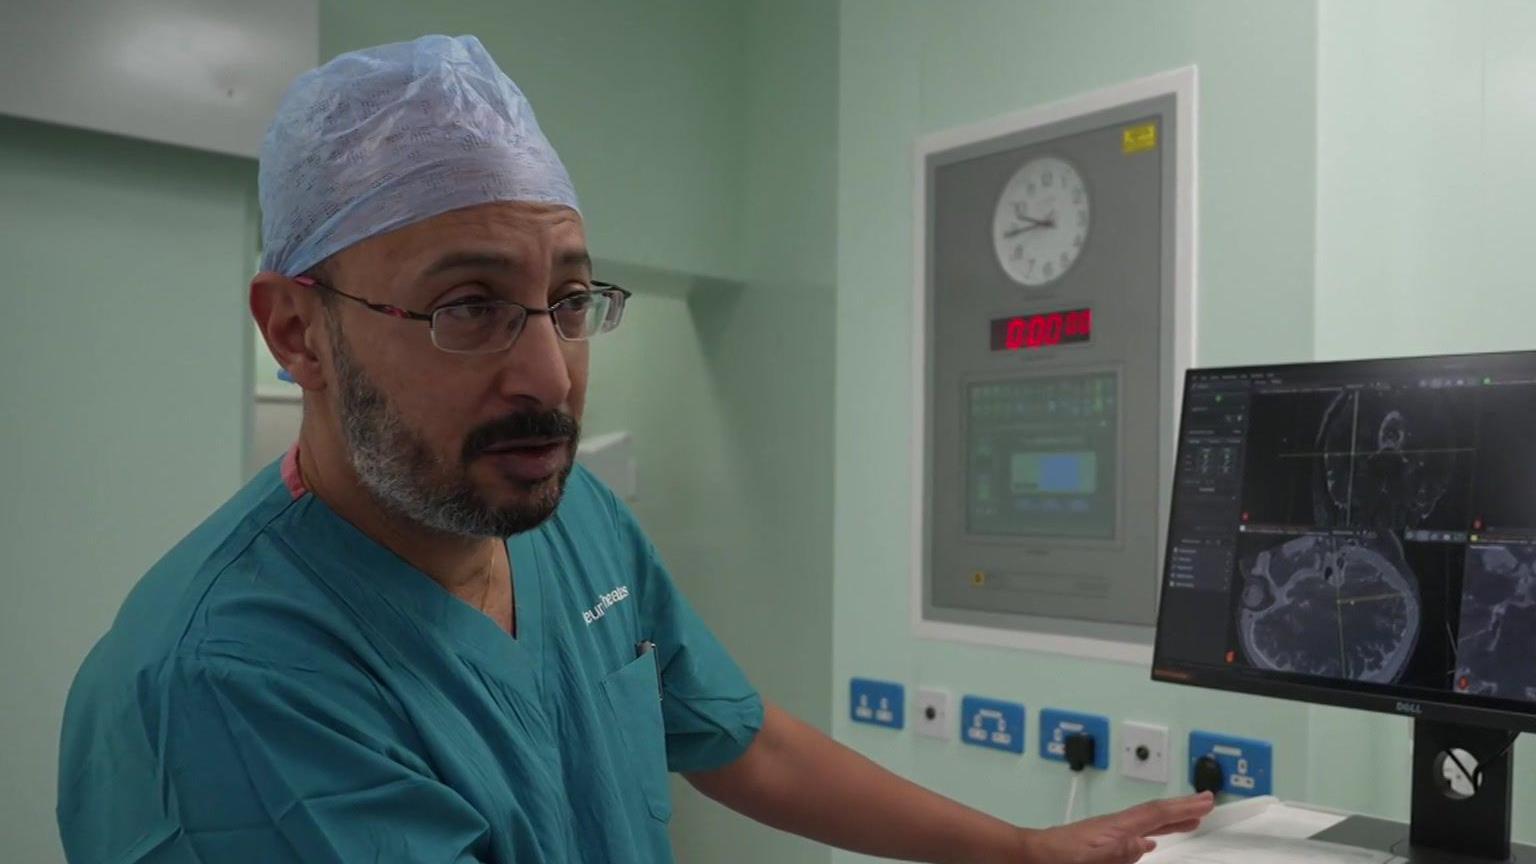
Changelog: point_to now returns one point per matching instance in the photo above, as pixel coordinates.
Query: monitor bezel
(1419, 707)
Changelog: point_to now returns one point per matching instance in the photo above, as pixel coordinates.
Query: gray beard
(398, 470)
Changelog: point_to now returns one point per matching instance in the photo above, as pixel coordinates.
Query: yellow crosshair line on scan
(1340, 602)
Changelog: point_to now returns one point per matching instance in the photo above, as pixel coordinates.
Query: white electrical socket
(931, 714)
(1144, 753)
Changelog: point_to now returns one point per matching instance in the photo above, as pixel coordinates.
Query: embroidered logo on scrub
(604, 601)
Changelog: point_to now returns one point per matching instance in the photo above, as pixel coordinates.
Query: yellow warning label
(978, 578)
(1138, 138)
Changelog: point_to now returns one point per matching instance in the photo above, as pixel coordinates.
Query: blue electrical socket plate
(878, 703)
(1245, 762)
(992, 723)
(1056, 725)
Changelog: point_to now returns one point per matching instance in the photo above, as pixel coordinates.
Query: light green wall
(701, 137)
(1268, 224)
(1426, 203)
(1426, 183)
(122, 385)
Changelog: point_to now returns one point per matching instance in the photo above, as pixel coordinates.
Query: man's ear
(289, 317)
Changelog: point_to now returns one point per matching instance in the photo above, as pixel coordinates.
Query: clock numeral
(1082, 217)
(1018, 252)
(1020, 210)
(1050, 269)
(1066, 260)
(1029, 189)
(1077, 195)
(1047, 179)
(1077, 242)
(1030, 266)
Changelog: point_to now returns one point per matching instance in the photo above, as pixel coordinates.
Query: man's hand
(1119, 838)
(794, 778)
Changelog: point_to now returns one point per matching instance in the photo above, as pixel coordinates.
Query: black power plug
(1080, 750)
(1208, 775)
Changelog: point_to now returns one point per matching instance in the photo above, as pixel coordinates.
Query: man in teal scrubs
(425, 635)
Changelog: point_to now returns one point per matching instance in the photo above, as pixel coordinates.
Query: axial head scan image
(1319, 605)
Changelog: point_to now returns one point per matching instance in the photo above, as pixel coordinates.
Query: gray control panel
(1050, 298)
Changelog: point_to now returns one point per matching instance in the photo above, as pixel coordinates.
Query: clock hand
(1014, 232)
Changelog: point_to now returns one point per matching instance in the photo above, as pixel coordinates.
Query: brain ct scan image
(1318, 605)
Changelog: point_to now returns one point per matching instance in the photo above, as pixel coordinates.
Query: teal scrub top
(281, 688)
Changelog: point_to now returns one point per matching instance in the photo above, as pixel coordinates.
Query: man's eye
(465, 310)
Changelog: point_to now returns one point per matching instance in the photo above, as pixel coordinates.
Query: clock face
(1041, 223)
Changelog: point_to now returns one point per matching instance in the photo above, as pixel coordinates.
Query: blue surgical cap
(380, 138)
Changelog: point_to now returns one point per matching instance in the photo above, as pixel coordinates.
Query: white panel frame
(1183, 85)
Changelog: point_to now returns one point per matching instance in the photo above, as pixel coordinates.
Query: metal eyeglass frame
(616, 295)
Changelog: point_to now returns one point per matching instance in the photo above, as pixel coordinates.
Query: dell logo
(1413, 708)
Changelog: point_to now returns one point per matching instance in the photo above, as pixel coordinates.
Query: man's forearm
(799, 780)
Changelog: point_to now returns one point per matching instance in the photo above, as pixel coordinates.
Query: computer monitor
(1363, 534)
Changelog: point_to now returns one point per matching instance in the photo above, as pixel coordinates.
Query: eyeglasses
(490, 326)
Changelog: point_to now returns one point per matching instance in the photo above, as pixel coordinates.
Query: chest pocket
(634, 698)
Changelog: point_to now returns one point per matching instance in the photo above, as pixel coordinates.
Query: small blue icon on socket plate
(878, 703)
(991, 723)
(1055, 726)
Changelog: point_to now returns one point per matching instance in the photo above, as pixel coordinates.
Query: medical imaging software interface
(1347, 526)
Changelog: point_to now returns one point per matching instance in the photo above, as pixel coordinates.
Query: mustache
(515, 427)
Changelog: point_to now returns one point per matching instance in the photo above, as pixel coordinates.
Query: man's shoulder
(233, 551)
(229, 604)
(230, 586)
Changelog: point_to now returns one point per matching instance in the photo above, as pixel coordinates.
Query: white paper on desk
(1263, 815)
(1262, 831)
(1241, 847)
(1289, 823)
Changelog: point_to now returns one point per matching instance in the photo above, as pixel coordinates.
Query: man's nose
(537, 368)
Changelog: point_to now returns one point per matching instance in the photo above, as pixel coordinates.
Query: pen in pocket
(643, 648)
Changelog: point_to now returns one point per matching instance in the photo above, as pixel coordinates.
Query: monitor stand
(1448, 827)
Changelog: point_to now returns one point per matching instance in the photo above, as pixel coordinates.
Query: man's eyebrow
(574, 258)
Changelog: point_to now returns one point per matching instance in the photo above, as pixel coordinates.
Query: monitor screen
(1360, 534)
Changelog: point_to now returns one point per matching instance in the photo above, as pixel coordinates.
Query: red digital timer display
(1042, 330)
